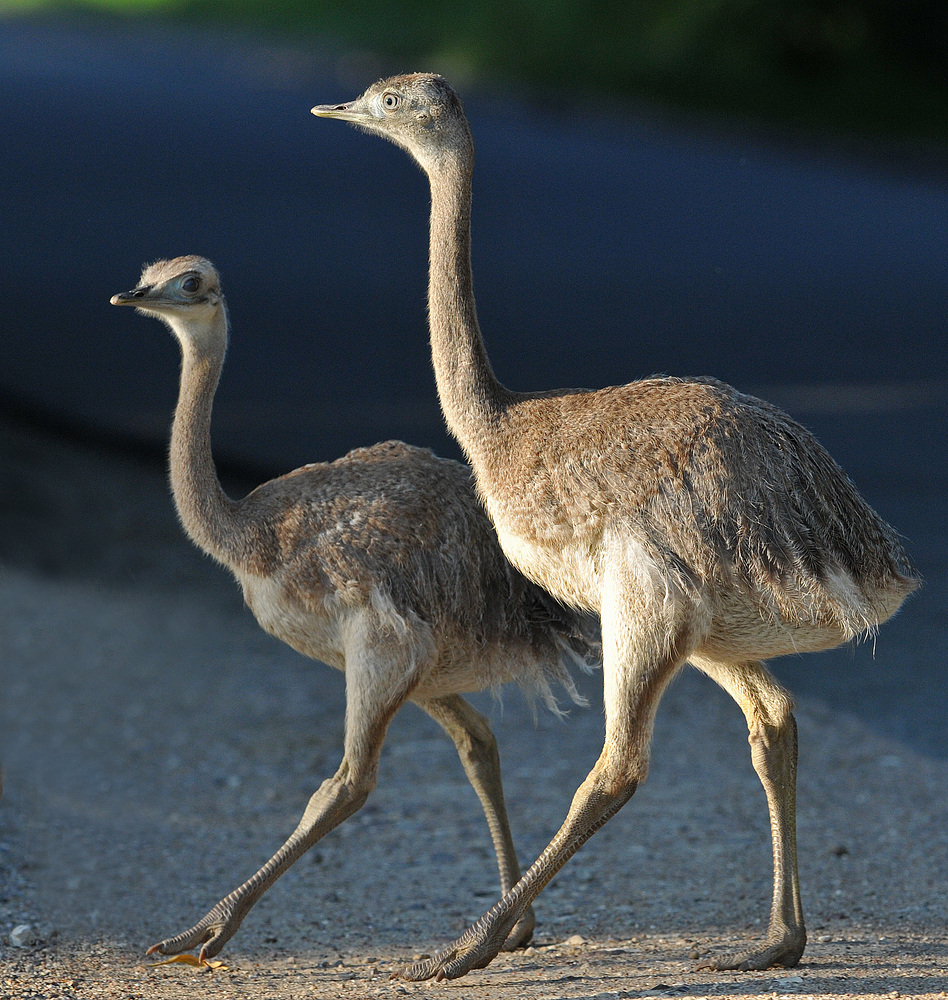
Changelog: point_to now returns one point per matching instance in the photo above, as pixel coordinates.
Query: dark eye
(190, 285)
(390, 101)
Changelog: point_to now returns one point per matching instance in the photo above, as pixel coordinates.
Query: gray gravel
(158, 747)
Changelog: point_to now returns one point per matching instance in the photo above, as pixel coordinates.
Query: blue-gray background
(610, 242)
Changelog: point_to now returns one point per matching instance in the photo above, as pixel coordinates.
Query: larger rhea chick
(703, 525)
(382, 564)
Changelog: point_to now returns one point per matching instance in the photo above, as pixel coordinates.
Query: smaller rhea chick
(382, 564)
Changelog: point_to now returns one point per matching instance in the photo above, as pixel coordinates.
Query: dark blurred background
(865, 66)
(756, 191)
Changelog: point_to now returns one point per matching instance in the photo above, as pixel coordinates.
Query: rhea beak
(132, 298)
(344, 112)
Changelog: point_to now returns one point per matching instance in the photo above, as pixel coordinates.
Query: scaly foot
(212, 932)
(786, 952)
(476, 948)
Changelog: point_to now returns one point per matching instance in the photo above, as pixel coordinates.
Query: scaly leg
(373, 695)
(336, 799)
(773, 739)
(477, 749)
(640, 657)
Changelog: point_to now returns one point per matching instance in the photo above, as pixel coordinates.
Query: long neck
(207, 513)
(471, 396)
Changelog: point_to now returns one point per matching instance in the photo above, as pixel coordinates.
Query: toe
(190, 939)
(427, 969)
(785, 953)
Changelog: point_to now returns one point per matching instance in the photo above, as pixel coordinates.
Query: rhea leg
(600, 796)
(378, 681)
(477, 749)
(638, 662)
(772, 733)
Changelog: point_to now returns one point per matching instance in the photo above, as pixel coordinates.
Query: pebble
(22, 936)
(789, 983)
(575, 941)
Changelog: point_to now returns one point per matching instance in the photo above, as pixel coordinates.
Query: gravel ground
(158, 747)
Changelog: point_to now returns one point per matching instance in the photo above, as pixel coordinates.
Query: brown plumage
(703, 525)
(382, 564)
(725, 490)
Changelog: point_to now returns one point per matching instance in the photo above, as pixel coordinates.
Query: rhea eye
(390, 101)
(190, 285)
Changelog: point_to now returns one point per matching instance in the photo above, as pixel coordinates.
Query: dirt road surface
(158, 747)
